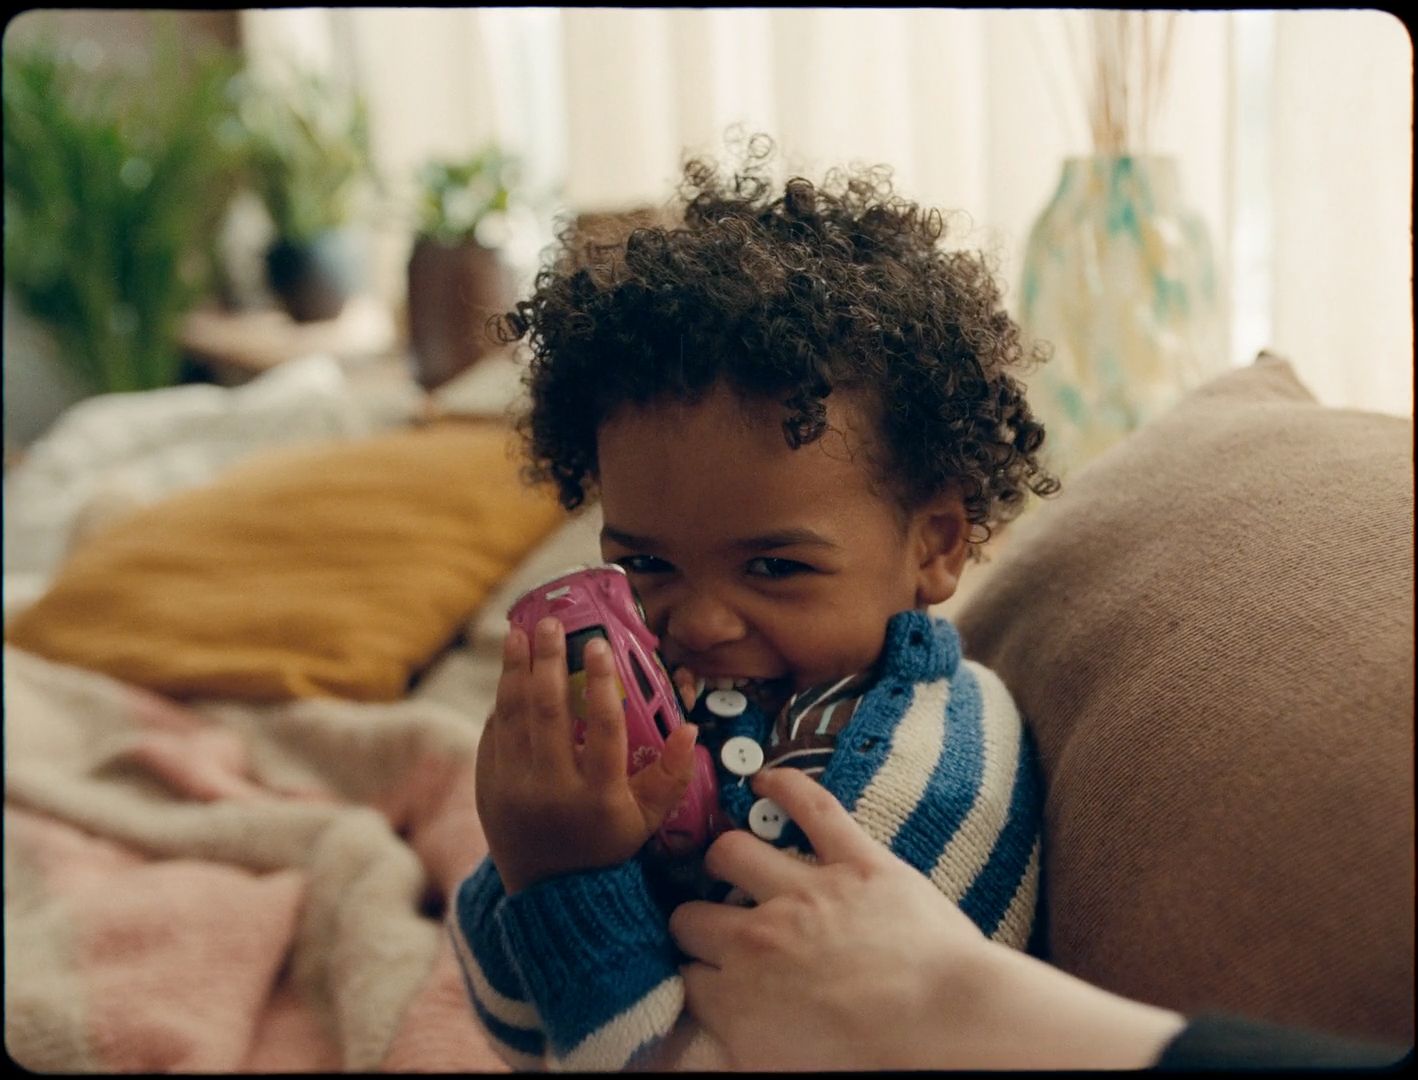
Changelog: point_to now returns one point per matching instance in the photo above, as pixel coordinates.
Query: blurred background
(207, 194)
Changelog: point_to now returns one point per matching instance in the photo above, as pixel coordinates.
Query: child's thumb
(659, 786)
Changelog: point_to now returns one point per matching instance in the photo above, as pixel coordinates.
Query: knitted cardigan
(579, 971)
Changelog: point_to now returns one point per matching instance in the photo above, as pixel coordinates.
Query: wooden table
(237, 346)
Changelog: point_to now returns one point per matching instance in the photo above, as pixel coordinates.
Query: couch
(241, 719)
(1211, 632)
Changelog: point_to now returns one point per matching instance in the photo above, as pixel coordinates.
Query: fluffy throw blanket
(232, 888)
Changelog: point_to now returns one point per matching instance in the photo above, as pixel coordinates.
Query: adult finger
(756, 866)
(834, 835)
(703, 930)
(704, 989)
(604, 757)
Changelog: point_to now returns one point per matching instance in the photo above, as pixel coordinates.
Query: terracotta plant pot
(453, 290)
(313, 281)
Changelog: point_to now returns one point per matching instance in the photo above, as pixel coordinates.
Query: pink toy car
(598, 601)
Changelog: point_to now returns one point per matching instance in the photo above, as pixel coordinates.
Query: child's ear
(943, 541)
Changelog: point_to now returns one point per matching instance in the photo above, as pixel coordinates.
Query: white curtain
(1292, 129)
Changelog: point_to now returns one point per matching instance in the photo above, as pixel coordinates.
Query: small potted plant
(308, 161)
(457, 276)
(115, 184)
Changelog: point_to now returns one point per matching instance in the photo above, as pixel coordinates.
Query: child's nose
(697, 623)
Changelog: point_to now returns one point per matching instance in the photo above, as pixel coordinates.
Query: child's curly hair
(787, 296)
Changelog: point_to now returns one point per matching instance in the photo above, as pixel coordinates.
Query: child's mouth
(767, 694)
(728, 683)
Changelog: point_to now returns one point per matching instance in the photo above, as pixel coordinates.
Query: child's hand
(549, 806)
(687, 686)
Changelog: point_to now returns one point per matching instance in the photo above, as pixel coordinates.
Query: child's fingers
(516, 656)
(485, 769)
(687, 685)
(511, 686)
(546, 715)
(678, 756)
(660, 785)
(548, 685)
(604, 756)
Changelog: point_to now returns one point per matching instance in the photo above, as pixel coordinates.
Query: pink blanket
(232, 888)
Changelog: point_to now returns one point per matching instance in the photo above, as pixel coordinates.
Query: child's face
(756, 561)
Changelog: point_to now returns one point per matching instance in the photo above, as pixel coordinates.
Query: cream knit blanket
(232, 888)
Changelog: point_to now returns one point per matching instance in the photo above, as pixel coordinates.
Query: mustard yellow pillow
(338, 569)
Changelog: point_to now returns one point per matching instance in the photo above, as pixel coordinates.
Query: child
(799, 417)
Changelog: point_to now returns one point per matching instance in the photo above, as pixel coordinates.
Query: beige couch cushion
(1211, 631)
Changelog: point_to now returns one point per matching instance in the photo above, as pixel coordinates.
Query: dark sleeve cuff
(579, 928)
(1220, 1041)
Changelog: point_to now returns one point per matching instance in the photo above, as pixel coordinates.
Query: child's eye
(643, 564)
(776, 568)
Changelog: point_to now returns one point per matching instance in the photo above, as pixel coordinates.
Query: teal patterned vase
(1119, 280)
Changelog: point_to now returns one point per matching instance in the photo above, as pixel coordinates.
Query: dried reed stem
(1127, 75)
(1169, 23)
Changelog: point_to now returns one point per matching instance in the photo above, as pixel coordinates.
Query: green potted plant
(457, 277)
(115, 185)
(308, 160)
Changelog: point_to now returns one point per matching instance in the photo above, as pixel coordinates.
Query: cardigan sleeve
(575, 973)
(490, 975)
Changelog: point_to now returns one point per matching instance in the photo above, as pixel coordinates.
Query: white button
(741, 756)
(726, 703)
(766, 819)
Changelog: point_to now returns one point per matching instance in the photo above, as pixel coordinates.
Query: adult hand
(547, 805)
(859, 962)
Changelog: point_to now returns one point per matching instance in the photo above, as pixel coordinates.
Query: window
(576, 646)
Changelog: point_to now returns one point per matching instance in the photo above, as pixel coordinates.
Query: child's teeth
(724, 682)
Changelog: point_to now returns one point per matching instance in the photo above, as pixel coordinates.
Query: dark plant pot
(453, 290)
(313, 281)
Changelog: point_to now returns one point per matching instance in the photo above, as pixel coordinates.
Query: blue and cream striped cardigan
(579, 972)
